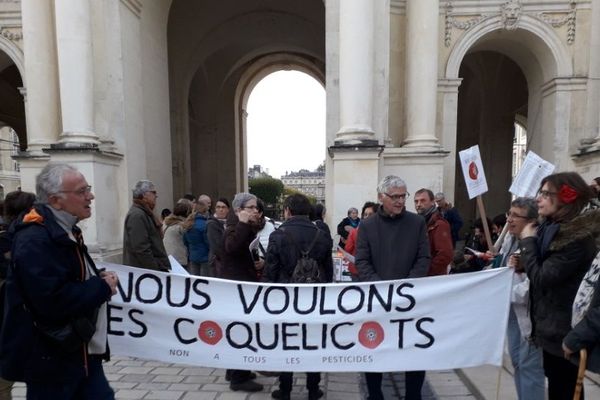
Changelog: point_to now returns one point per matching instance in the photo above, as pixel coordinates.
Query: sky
(286, 123)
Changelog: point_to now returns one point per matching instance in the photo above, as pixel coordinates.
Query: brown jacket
(440, 244)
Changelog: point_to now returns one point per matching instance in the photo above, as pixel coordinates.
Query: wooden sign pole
(486, 228)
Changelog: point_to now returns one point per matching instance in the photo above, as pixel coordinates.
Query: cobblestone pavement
(135, 379)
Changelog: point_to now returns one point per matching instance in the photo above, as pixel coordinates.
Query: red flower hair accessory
(567, 194)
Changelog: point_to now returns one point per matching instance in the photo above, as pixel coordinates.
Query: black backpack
(307, 269)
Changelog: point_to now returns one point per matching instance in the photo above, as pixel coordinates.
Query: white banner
(440, 322)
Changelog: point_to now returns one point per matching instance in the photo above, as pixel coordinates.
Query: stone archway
(513, 72)
(254, 73)
(211, 49)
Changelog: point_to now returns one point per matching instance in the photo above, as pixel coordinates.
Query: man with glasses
(393, 244)
(142, 240)
(56, 322)
(525, 356)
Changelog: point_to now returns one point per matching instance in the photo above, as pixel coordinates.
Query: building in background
(256, 171)
(10, 178)
(307, 182)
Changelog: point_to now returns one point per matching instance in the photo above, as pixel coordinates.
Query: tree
(267, 189)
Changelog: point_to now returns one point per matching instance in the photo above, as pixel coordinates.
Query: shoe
(269, 373)
(228, 375)
(279, 395)
(315, 394)
(246, 386)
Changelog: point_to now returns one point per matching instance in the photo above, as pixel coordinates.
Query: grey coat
(142, 244)
(389, 248)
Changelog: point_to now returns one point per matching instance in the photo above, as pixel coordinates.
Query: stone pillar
(41, 75)
(75, 61)
(356, 55)
(593, 85)
(422, 20)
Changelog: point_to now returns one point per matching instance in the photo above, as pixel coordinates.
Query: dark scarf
(427, 214)
(546, 233)
(142, 204)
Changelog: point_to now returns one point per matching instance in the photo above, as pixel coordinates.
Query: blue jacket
(47, 274)
(196, 240)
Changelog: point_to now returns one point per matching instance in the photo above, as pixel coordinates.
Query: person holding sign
(556, 255)
(392, 244)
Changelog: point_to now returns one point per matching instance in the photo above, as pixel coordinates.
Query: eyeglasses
(546, 194)
(79, 192)
(510, 215)
(397, 197)
(251, 208)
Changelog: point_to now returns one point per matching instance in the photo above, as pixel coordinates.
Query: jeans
(413, 382)
(93, 387)
(527, 361)
(202, 269)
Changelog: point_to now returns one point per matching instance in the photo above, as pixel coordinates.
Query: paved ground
(138, 379)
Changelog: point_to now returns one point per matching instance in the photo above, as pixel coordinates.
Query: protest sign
(412, 324)
(472, 168)
(533, 170)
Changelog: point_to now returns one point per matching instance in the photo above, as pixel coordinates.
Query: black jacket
(236, 259)
(282, 254)
(390, 248)
(555, 266)
(48, 276)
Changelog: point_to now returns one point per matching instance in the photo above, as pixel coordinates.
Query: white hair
(50, 179)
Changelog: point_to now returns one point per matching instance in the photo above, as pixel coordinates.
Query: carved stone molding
(510, 14)
(11, 34)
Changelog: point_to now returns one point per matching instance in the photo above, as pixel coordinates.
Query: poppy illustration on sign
(370, 334)
(210, 332)
(473, 171)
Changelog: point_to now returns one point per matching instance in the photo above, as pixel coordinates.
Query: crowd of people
(55, 325)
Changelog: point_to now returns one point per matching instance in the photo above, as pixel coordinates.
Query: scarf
(142, 204)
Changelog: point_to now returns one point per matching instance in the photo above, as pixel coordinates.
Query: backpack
(307, 269)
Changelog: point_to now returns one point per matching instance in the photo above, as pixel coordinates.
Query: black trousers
(413, 380)
(562, 377)
(312, 381)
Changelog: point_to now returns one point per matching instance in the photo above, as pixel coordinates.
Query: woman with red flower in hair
(556, 255)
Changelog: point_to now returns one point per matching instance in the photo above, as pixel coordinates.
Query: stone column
(422, 19)
(41, 75)
(356, 57)
(75, 58)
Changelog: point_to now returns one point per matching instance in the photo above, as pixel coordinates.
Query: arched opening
(13, 129)
(492, 92)
(507, 77)
(285, 110)
(216, 55)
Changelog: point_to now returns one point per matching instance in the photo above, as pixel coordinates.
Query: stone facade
(157, 89)
(307, 182)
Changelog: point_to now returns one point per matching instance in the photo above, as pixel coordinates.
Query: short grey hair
(390, 181)
(241, 199)
(527, 204)
(352, 209)
(50, 179)
(440, 196)
(142, 187)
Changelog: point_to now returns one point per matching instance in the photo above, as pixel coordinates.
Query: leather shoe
(246, 386)
(228, 375)
(315, 394)
(279, 395)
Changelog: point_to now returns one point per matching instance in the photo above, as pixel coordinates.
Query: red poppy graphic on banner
(210, 332)
(370, 334)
